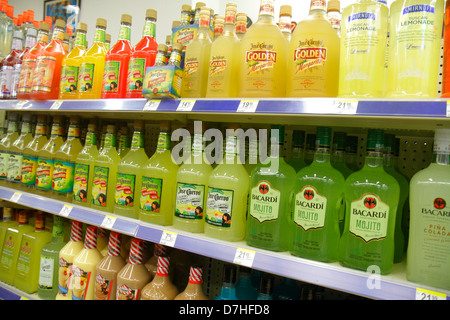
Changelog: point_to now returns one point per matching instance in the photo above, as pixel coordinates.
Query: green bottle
(297, 160)
(318, 194)
(371, 196)
(390, 164)
(124, 142)
(338, 155)
(268, 225)
(310, 148)
(49, 266)
(5, 144)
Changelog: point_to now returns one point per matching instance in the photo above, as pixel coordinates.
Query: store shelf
(331, 275)
(8, 292)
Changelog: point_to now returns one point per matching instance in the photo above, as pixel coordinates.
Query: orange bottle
(47, 72)
(143, 56)
(116, 62)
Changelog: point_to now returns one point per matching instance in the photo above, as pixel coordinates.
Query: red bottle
(47, 72)
(143, 56)
(116, 62)
(7, 65)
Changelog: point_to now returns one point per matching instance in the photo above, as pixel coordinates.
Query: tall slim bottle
(5, 144)
(428, 256)
(263, 56)
(7, 66)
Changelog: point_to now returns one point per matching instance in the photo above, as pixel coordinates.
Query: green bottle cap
(323, 137)
(375, 139)
(339, 140)
(389, 143)
(298, 137)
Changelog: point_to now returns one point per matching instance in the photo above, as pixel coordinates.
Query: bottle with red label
(47, 72)
(7, 66)
(143, 56)
(116, 62)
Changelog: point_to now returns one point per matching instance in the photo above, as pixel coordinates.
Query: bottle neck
(266, 9)
(125, 32)
(110, 140)
(374, 159)
(185, 18)
(30, 41)
(80, 39)
(285, 24)
(25, 129)
(42, 36)
(100, 35)
(58, 228)
(322, 154)
(57, 130)
(17, 44)
(74, 131)
(318, 7)
(58, 34)
(12, 127)
(114, 244)
(441, 158)
(90, 240)
(163, 141)
(175, 58)
(91, 139)
(76, 233)
(40, 222)
(231, 149)
(149, 28)
(297, 152)
(137, 140)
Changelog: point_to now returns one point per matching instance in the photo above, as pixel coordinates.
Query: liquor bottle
(268, 225)
(263, 56)
(318, 194)
(310, 147)
(241, 25)
(124, 142)
(161, 55)
(266, 287)
(362, 49)
(193, 290)
(244, 287)
(7, 66)
(427, 259)
(351, 153)
(5, 144)
(285, 22)
(288, 289)
(371, 196)
(161, 287)
(313, 63)
(338, 154)
(219, 23)
(297, 160)
(334, 15)
(8, 220)
(228, 289)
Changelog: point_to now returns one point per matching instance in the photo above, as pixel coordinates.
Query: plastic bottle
(116, 62)
(143, 56)
(161, 287)
(7, 221)
(124, 142)
(47, 72)
(7, 66)
(228, 289)
(193, 290)
(6, 29)
(5, 144)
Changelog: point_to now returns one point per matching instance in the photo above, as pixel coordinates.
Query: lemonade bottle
(226, 203)
(84, 168)
(196, 60)
(158, 189)
(128, 177)
(30, 154)
(64, 162)
(362, 49)
(71, 65)
(263, 56)
(8, 221)
(313, 63)
(90, 75)
(223, 59)
(105, 172)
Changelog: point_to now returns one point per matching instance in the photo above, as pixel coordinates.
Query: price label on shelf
(152, 105)
(168, 238)
(186, 105)
(244, 257)
(248, 106)
(15, 197)
(20, 104)
(65, 211)
(56, 105)
(345, 106)
(108, 222)
(423, 294)
(448, 109)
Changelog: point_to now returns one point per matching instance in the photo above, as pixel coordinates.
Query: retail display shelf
(332, 275)
(8, 292)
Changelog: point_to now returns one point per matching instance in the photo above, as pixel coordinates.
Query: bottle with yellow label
(313, 63)
(263, 56)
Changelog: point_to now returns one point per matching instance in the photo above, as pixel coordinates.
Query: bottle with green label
(316, 203)
(192, 187)
(226, 202)
(11, 247)
(49, 264)
(14, 166)
(297, 160)
(5, 144)
(30, 155)
(124, 142)
(158, 183)
(338, 156)
(84, 168)
(105, 172)
(44, 170)
(9, 220)
(64, 162)
(27, 268)
(126, 199)
(371, 196)
(268, 225)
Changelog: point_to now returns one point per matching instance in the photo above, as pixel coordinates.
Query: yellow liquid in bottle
(5, 145)
(69, 72)
(14, 167)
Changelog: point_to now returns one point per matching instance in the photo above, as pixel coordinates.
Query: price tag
(423, 294)
(448, 109)
(15, 197)
(56, 105)
(23, 298)
(244, 257)
(20, 104)
(66, 210)
(248, 106)
(168, 238)
(345, 106)
(152, 105)
(108, 222)
(186, 105)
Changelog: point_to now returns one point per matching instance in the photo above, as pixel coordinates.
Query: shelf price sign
(168, 238)
(66, 210)
(15, 197)
(108, 222)
(248, 106)
(186, 105)
(56, 105)
(345, 106)
(244, 257)
(423, 294)
(152, 105)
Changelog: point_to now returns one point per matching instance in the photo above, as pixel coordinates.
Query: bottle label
(189, 201)
(4, 157)
(24, 259)
(100, 186)
(44, 173)
(136, 71)
(64, 276)
(5, 81)
(81, 280)
(100, 35)
(137, 141)
(219, 206)
(25, 78)
(191, 66)
(310, 208)
(6, 261)
(264, 202)
(29, 166)
(163, 141)
(318, 5)
(80, 182)
(266, 7)
(103, 287)
(46, 270)
(43, 75)
(217, 64)
(111, 76)
(69, 79)
(310, 54)
(86, 77)
(124, 292)
(260, 57)
(149, 29)
(151, 194)
(14, 168)
(369, 218)
(63, 176)
(125, 185)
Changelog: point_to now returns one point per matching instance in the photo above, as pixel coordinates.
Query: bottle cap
(286, 10)
(60, 24)
(126, 18)
(442, 141)
(44, 27)
(323, 137)
(169, 38)
(81, 26)
(151, 13)
(186, 7)
(175, 23)
(298, 137)
(162, 47)
(375, 139)
(100, 23)
(339, 140)
(198, 5)
(177, 46)
(334, 5)
(229, 273)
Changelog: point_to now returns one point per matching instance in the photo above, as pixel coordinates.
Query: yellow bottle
(414, 48)
(263, 56)
(362, 49)
(196, 60)
(71, 65)
(5, 144)
(223, 62)
(313, 63)
(90, 76)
